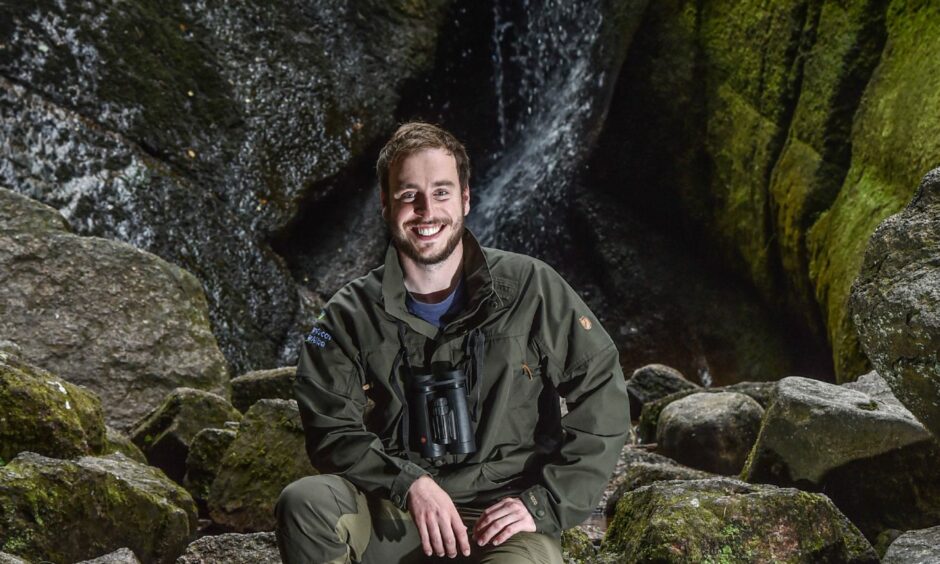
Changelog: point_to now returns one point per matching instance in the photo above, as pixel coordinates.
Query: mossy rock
(268, 454)
(116, 441)
(721, 520)
(71, 510)
(166, 432)
(655, 381)
(277, 383)
(43, 413)
(644, 468)
(576, 547)
(761, 392)
(205, 458)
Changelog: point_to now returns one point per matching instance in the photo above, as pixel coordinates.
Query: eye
(441, 194)
(407, 196)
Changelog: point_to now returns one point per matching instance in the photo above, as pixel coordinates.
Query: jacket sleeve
(584, 365)
(329, 392)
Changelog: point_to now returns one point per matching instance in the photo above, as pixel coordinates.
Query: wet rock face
(99, 313)
(915, 547)
(195, 129)
(67, 511)
(166, 433)
(233, 548)
(896, 303)
(721, 519)
(42, 413)
(270, 443)
(711, 432)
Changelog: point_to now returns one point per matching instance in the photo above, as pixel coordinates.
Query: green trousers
(325, 520)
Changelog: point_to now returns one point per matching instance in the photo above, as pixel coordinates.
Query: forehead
(425, 165)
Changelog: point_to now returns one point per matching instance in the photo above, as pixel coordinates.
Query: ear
(465, 199)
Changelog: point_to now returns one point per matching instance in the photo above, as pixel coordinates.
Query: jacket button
(540, 513)
(396, 498)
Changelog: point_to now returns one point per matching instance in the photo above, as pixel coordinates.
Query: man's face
(425, 206)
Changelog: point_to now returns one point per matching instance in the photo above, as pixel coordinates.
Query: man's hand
(438, 522)
(502, 520)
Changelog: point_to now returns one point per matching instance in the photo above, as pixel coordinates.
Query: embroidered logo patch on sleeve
(319, 337)
(585, 322)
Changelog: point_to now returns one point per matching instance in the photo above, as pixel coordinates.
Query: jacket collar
(477, 278)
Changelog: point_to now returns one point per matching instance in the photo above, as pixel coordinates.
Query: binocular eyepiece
(440, 416)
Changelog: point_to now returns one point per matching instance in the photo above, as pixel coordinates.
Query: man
(521, 336)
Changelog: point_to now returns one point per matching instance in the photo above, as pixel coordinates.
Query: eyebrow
(435, 184)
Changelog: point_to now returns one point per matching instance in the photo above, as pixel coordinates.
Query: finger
(447, 536)
(494, 528)
(425, 540)
(493, 513)
(507, 532)
(434, 532)
(460, 532)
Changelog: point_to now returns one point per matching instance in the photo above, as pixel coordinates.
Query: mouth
(427, 232)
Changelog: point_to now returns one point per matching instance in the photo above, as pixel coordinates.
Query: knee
(301, 496)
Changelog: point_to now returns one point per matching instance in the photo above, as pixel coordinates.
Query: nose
(423, 205)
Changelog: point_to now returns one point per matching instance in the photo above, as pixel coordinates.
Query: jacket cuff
(538, 502)
(399, 490)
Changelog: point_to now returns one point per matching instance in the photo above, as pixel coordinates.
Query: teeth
(427, 231)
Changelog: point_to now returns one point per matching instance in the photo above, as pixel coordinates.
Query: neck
(431, 283)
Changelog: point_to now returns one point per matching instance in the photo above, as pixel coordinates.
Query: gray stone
(652, 382)
(126, 324)
(10, 559)
(864, 450)
(276, 383)
(43, 413)
(116, 441)
(711, 432)
(120, 556)
(643, 468)
(166, 432)
(233, 548)
(725, 520)
(71, 510)
(813, 427)
(205, 458)
(268, 454)
(895, 303)
(915, 547)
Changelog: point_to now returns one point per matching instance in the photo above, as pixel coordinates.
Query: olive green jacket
(524, 338)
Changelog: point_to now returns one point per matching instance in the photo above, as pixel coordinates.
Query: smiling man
(462, 353)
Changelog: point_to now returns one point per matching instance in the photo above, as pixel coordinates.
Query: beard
(406, 246)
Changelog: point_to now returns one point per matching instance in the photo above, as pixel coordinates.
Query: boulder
(10, 559)
(725, 520)
(166, 432)
(813, 427)
(126, 324)
(896, 303)
(711, 432)
(862, 449)
(643, 468)
(70, 510)
(576, 547)
(915, 547)
(43, 413)
(120, 556)
(649, 417)
(196, 131)
(277, 383)
(205, 458)
(655, 381)
(268, 454)
(233, 548)
(116, 441)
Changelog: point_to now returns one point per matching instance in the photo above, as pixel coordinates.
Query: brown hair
(416, 136)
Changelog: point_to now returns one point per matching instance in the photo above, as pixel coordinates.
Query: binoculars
(439, 414)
